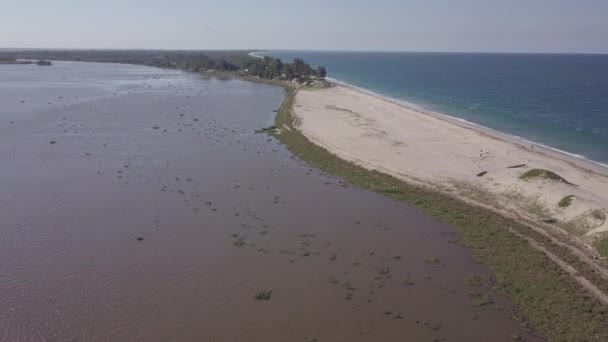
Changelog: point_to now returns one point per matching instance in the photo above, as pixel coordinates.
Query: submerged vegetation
(546, 296)
(263, 295)
(598, 215)
(601, 244)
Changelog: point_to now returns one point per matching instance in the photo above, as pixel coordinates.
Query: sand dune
(463, 159)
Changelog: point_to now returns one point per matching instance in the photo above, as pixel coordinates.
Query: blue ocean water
(557, 100)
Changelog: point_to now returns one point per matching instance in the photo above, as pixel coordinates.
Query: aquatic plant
(263, 295)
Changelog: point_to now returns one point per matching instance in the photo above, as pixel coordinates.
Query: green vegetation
(566, 201)
(233, 63)
(263, 295)
(479, 299)
(543, 174)
(601, 244)
(549, 298)
(598, 215)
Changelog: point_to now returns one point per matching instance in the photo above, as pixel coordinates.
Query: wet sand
(97, 156)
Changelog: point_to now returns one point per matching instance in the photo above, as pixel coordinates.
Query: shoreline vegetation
(559, 290)
(11, 60)
(528, 266)
(226, 63)
(557, 286)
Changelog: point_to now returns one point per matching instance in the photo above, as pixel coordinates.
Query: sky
(564, 26)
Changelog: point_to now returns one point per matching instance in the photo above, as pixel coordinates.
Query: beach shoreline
(389, 135)
(527, 259)
(578, 160)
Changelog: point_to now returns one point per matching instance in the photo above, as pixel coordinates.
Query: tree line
(235, 62)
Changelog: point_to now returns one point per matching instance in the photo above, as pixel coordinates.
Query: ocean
(557, 100)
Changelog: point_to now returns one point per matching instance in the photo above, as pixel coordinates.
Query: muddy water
(93, 157)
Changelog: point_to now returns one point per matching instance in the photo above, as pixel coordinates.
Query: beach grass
(601, 244)
(541, 174)
(598, 215)
(548, 297)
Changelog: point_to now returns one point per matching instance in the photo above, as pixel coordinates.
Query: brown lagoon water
(93, 156)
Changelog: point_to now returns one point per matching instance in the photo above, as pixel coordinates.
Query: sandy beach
(449, 155)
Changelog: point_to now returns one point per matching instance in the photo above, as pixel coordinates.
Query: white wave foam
(255, 54)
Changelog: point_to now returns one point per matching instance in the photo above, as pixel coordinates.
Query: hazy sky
(408, 25)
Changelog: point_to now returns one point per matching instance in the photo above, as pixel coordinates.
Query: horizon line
(7, 49)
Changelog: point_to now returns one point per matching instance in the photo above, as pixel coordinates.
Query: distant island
(14, 60)
(43, 62)
(11, 60)
(233, 63)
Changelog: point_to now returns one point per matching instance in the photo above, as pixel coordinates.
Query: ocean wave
(255, 54)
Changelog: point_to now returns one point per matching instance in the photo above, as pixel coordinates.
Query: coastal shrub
(565, 202)
(542, 174)
(601, 245)
(598, 215)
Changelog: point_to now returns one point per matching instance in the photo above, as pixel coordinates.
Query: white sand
(446, 154)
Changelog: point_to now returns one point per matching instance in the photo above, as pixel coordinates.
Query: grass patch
(543, 174)
(565, 202)
(601, 245)
(263, 295)
(549, 298)
(598, 215)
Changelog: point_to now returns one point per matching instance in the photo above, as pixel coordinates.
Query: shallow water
(94, 156)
